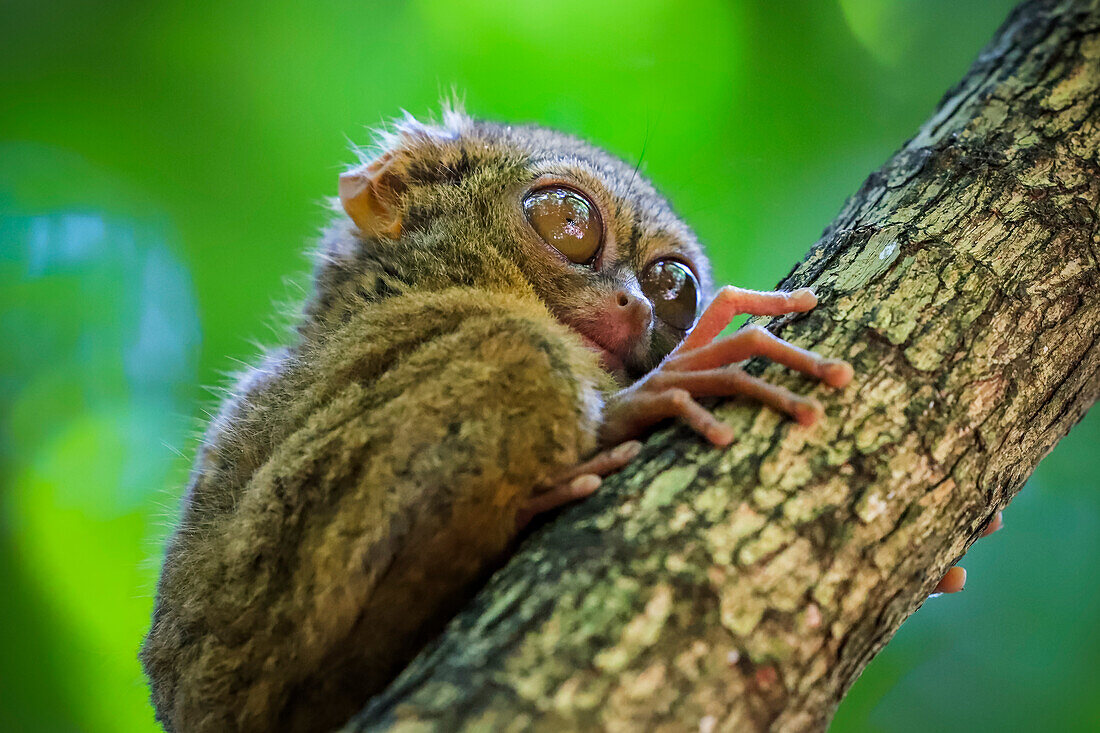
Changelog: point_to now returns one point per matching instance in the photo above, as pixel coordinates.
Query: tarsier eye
(566, 220)
(672, 288)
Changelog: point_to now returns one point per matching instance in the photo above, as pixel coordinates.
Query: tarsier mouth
(609, 360)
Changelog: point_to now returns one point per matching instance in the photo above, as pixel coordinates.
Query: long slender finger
(952, 581)
(731, 302)
(729, 382)
(994, 524)
(578, 488)
(649, 408)
(602, 464)
(756, 341)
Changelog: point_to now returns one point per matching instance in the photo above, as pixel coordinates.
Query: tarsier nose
(634, 308)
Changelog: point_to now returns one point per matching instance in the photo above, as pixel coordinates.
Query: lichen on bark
(747, 588)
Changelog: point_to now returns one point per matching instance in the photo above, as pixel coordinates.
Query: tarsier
(498, 313)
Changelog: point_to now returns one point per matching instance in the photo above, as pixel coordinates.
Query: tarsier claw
(704, 365)
(808, 414)
(836, 373)
(994, 524)
(720, 435)
(627, 450)
(952, 582)
(803, 300)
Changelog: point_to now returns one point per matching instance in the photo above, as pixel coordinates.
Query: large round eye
(567, 221)
(674, 292)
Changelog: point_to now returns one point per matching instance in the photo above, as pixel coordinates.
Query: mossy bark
(746, 588)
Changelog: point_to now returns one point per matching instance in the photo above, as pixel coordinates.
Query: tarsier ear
(371, 193)
(370, 196)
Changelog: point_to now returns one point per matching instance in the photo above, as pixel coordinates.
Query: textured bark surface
(747, 588)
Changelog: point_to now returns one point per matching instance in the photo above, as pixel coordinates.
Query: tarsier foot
(577, 482)
(704, 366)
(955, 578)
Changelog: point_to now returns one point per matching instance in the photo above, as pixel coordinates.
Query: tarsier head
(499, 203)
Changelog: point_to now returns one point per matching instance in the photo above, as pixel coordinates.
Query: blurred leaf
(105, 322)
(90, 563)
(875, 23)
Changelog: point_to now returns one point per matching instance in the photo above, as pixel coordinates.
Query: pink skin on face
(622, 319)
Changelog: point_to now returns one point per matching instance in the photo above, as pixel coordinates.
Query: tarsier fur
(362, 478)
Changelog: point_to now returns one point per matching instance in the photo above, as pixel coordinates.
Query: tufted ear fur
(370, 195)
(371, 192)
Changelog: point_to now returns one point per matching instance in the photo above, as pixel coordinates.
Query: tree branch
(747, 588)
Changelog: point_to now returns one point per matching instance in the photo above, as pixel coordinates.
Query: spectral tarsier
(497, 313)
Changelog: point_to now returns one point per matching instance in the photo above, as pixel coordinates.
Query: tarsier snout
(629, 314)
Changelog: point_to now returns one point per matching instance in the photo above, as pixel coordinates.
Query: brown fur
(362, 478)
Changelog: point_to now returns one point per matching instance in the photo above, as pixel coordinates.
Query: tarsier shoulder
(497, 313)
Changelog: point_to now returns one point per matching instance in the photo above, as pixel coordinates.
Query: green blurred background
(161, 171)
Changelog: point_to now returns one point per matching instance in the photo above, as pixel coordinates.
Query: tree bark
(746, 588)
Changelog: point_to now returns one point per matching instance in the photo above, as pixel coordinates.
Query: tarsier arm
(411, 479)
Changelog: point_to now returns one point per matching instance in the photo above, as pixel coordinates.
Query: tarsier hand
(704, 367)
(699, 367)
